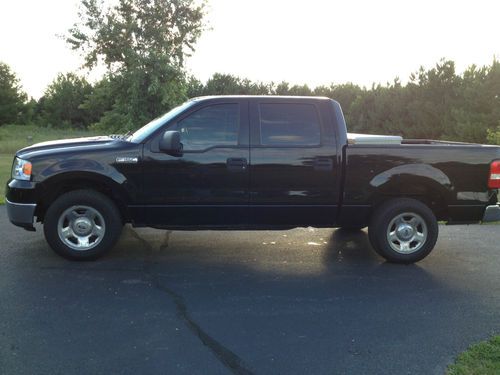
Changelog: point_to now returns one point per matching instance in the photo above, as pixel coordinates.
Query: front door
(208, 184)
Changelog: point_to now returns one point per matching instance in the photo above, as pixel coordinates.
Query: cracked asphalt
(301, 301)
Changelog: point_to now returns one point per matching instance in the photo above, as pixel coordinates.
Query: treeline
(143, 44)
(437, 103)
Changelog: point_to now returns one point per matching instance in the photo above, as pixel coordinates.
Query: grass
(15, 137)
(479, 359)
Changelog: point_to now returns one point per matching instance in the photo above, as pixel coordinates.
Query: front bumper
(21, 214)
(492, 213)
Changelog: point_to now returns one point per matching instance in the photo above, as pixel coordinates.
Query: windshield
(141, 134)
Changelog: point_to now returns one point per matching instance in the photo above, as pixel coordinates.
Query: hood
(64, 144)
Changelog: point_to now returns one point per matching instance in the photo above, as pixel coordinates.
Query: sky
(303, 42)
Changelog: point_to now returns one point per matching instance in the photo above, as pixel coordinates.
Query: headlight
(21, 170)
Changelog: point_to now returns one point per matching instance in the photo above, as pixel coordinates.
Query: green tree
(28, 113)
(284, 88)
(99, 101)
(227, 84)
(61, 104)
(494, 136)
(477, 116)
(300, 90)
(143, 45)
(12, 98)
(222, 84)
(194, 87)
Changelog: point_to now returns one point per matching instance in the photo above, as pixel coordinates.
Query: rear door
(294, 167)
(208, 184)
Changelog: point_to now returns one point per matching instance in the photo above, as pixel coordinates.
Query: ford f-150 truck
(252, 162)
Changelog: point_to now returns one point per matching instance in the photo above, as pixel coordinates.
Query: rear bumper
(492, 213)
(21, 214)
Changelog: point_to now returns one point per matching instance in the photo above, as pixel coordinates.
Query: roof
(208, 97)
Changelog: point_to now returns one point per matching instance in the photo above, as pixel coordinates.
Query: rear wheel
(403, 230)
(82, 225)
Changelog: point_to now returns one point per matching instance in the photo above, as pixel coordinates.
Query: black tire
(108, 221)
(419, 221)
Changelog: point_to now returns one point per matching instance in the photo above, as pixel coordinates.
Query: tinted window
(215, 125)
(289, 125)
(148, 129)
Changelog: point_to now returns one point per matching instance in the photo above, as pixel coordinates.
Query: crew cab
(252, 162)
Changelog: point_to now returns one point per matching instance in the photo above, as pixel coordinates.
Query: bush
(61, 105)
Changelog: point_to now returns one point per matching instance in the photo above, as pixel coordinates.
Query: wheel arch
(55, 186)
(432, 198)
(421, 182)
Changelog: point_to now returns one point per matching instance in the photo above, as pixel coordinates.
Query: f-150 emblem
(127, 159)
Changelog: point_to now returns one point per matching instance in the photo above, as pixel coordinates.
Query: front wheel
(403, 230)
(82, 225)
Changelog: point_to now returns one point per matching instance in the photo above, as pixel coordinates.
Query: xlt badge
(127, 159)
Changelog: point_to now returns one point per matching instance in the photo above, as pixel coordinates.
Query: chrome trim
(20, 214)
(492, 213)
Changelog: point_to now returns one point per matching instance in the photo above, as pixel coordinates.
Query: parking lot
(316, 301)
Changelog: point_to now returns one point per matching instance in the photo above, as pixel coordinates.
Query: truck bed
(452, 175)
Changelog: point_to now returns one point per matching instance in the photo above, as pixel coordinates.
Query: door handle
(323, 164)
(237, 164)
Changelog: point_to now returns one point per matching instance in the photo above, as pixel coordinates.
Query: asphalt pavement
(315, 301)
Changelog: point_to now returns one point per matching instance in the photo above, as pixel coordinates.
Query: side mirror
(170, 143)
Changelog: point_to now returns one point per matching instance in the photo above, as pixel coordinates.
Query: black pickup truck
(252, 162)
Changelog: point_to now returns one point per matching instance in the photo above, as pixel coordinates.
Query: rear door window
(287, 124)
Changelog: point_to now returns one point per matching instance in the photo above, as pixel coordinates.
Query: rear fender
(421, 181)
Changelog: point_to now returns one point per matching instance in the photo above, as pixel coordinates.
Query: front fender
(86, 179)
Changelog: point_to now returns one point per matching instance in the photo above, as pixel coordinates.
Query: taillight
(494, 180)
